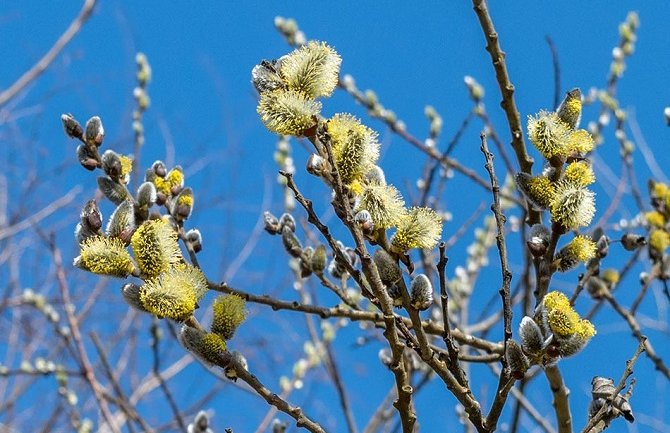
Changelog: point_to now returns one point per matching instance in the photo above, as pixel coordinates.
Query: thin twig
(635, 328)
(41, 66)
(76, 335)
(557, 70)
(507, 90)
(506, 381)
(599, 417)
(155, 367)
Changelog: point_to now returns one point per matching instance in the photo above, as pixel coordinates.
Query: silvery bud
(532, 340)
(72, 128)
(159, 168)
(122, 222)
(319, 259)
(538, 240)
(394, 293)
(195, 238)
(364, 221)
(316, 165)
(111, 164)
(131, 294)
(287, 220)
(265, 76)
(291, 242)
(271, 223)
(388, 268)
(602, 387)
(278, 426)
(90, 222)
(86, 158)
(516, 360)
(237, 357)
(376, 175)
(631, 241)
(306, 262)
(91, 215)
(596, 287)
(385, 356)
(146, 195)
(602, 246)
(421, 292)
(116, 193)
(95, 132)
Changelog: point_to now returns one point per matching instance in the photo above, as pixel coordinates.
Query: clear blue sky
(410, 53)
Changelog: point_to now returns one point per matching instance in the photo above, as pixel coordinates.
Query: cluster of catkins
(562, 188)
(658, 220)
(170, 287)
(346, 152)
(555, 331)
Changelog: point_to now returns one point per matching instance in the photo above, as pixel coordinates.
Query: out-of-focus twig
(39, 67)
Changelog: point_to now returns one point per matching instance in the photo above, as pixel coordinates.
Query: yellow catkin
(229, 313)
(105, 256)
(174, 294)
(155, 246)
(287, 112)
(312, 69)
(655, 219)
(659, 240)
(548, 133)
(355, 147)
(579, 173)
(384, 203)
(420, 227)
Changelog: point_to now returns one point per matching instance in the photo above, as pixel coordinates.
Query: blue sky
(203, 116)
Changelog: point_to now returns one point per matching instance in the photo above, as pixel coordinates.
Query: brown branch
(506, 381)
(560, 403)
(86, 366)
(597, 421)
(635, 328)
(507, 90)
(49, 57)
(121, 399)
